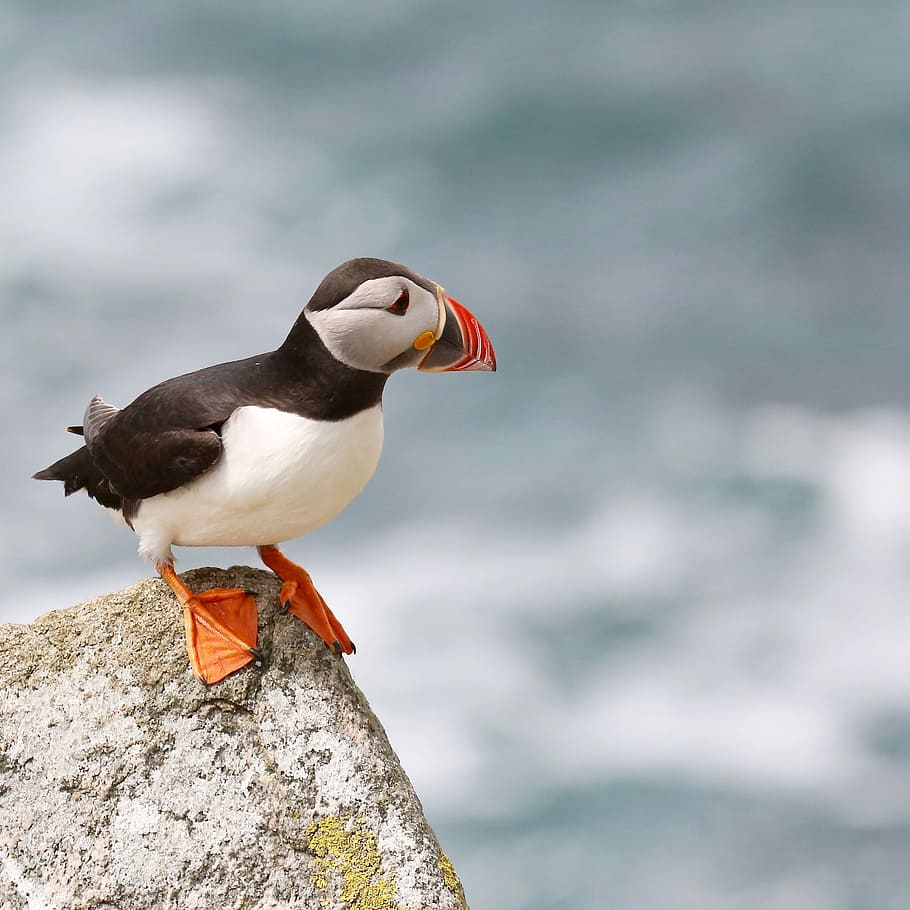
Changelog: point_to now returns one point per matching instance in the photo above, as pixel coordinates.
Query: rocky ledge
(125, 783)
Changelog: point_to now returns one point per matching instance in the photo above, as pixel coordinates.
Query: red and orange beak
(463, 343)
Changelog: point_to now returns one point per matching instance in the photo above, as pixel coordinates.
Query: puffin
(260, 451)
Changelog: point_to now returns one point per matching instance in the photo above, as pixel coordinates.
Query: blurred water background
(634, 610)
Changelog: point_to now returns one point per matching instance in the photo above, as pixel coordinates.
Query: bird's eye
(400, 306)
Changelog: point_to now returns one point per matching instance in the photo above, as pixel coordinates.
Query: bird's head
(380, 316)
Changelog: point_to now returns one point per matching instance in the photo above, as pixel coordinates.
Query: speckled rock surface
(125, 783)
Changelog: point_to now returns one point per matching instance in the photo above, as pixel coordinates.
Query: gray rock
(125, 783)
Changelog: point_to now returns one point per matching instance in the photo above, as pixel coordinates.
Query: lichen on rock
(453, 882)
(126, 783)
(347, 853)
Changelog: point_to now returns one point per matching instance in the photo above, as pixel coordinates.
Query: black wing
(140, 461)
(167, 437)
(170, 434)
(119, 465)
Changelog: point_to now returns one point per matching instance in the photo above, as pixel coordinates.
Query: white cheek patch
(361, 333)
(363, 339)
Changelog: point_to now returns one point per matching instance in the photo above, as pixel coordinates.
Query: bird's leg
(221, 627)
(305, 602)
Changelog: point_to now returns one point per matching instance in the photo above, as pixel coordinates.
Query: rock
(125, 783)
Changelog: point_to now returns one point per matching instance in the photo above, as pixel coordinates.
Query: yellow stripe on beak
(427, 339)
(441, 318)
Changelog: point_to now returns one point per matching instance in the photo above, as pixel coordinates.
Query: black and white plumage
(259, 451)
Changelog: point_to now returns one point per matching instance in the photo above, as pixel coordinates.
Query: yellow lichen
(450, 877)
(346, 856)
(348, 849)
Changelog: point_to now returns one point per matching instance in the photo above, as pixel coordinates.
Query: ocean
(634, 609)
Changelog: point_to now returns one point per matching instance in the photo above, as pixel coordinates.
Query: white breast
(280, 476)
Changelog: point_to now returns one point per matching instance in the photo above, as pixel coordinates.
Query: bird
(259, 451)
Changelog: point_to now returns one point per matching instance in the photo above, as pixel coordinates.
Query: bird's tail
(79, 472)
(73, 470)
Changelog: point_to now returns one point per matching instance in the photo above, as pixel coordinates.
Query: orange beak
(463, 344)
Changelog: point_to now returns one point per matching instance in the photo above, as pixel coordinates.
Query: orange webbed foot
(221, 632)
(301, 599)
(221, 628)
